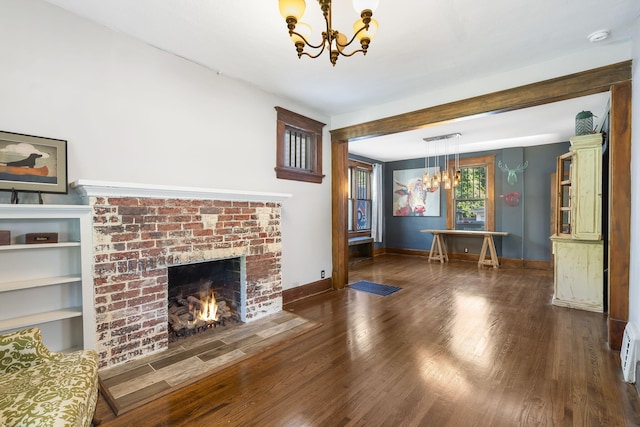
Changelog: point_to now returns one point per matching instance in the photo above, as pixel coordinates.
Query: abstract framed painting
(32, 163)
(410, 195)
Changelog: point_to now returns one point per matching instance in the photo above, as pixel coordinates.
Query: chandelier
(333, 41)
(446, 177)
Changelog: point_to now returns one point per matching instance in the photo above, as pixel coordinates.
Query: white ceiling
(421, 46)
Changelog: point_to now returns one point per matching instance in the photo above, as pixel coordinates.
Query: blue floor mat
(374, 288)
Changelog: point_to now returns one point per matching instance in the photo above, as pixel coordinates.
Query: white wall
(133, 113)
(634, 270)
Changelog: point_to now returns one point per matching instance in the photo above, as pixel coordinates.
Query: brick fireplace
(139, 231)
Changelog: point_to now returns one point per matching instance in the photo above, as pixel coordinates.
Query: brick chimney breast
(135, 239)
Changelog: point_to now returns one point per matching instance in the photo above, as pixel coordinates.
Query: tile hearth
(133, 384)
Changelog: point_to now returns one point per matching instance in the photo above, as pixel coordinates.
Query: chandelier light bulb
(341, 42)
(365, 34)
(293, 8)
(360, 5)
(303, 29)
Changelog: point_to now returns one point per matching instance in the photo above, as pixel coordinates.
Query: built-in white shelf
(30, 247)
(36, 283)
(39, 318)
(48, 285)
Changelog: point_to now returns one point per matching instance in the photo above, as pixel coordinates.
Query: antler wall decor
(512, 178)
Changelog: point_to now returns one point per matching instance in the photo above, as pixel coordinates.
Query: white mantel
(90, 188)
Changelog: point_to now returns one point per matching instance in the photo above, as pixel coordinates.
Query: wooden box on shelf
(5, 237)
(38, 238)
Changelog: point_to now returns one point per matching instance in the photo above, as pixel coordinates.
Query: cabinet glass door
(564, 194)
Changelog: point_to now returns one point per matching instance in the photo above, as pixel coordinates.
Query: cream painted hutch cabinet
(577, 243)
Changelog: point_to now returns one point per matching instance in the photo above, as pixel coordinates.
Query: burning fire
(205, 309)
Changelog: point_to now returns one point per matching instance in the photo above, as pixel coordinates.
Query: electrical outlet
(322, 274)
(466, 250)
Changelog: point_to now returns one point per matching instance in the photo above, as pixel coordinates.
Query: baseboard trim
(304, 291)
(538, 265)
(400, 251)
(531, 264)
(467, 257)
(616, 332)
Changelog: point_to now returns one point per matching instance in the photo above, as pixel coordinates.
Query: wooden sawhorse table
(439, 249)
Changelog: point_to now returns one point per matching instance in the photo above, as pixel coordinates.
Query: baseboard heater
(628, 352)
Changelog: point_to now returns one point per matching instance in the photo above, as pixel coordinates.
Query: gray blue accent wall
(527, 222)
(537, 190)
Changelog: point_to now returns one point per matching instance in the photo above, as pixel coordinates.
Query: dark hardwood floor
(457, 346)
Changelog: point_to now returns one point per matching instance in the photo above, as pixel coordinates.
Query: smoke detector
(598, 36)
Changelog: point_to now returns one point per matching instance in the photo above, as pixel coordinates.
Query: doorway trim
(597, 80)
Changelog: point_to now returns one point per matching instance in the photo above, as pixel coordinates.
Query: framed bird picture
(32, 163)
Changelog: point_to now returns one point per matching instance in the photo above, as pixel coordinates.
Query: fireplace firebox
(204, 295)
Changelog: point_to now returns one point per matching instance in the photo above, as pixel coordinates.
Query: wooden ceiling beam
(559, 89)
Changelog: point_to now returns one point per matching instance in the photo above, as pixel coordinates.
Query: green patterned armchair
(42, 388)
